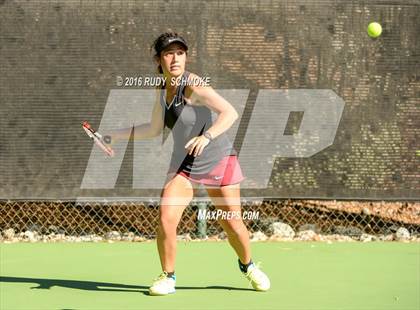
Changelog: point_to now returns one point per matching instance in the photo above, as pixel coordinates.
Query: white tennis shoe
(163, 285)
(257, 278)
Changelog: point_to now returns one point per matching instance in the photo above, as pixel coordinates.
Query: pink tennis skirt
(226, 172)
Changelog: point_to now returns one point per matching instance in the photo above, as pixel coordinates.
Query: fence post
(201, 223)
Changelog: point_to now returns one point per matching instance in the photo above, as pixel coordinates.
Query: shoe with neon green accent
(257, 278)
(163, 285)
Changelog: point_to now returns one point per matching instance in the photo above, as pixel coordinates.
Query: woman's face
(172, 60)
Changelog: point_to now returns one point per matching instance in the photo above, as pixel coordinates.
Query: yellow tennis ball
(374, 30)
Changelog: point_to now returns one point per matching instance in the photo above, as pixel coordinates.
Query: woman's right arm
(156, 124)
(146, 130)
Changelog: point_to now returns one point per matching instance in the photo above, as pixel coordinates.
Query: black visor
(169, 41)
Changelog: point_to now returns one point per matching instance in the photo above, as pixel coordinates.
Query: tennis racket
(97, 138)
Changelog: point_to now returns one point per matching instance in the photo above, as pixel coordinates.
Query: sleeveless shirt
(187, 121)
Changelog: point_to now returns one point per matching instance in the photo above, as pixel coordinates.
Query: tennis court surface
(304, 275)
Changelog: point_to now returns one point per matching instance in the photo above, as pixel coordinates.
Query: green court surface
(304, 275)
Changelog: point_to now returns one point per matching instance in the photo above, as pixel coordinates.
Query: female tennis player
(202, 154)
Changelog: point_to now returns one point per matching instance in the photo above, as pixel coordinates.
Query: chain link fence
(134, 221)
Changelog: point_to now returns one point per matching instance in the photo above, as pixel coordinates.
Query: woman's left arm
(227, 115)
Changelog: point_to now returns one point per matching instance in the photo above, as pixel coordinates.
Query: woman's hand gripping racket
(98, 139)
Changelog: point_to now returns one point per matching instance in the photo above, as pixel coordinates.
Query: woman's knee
(168, 224)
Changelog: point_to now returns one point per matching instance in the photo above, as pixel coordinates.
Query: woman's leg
(175, 197)
(227, 198)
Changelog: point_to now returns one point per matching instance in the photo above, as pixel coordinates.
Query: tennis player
(202, 154)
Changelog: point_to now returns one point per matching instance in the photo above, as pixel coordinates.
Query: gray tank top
(187, 121)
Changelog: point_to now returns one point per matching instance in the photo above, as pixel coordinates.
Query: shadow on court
(105, 286)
